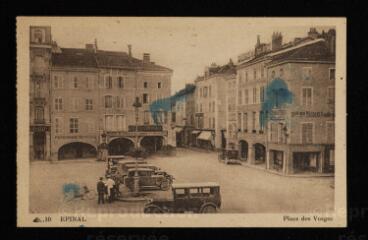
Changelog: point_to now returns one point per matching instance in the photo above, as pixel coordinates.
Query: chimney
(313, 33)
(130, 50)
(276, 42)
(258, 40)
(146, 58)
(96, 48)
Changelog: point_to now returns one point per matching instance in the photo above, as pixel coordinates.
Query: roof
(80, 57)
(140, 169)
(312, 51)
(73, 57)
(199, 184)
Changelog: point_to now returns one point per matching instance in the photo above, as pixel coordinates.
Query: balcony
(39, 121)
(145, 128)
(39, 101)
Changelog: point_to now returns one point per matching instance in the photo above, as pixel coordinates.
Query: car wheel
(152, 209)
(165, 185)
(209, 209)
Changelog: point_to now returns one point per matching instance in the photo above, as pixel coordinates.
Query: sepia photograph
(163, 121)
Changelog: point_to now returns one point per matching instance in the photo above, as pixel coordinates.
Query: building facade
(183, 115)
(39, 79)
(210, 108)
(285, 105)
(83, 98)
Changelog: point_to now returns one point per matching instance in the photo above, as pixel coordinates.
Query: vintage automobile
(148, 179)
(188, 197)
(117, 170)
(229, 156)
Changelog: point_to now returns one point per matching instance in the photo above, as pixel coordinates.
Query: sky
(186, 45)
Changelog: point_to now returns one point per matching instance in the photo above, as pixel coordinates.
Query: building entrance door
(39, 142)
(243, 150)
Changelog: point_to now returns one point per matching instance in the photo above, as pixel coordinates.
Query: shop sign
(40, 128)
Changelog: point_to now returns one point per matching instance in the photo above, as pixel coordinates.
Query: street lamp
(136, 106)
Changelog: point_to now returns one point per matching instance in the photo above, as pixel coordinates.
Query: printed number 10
(48, 219)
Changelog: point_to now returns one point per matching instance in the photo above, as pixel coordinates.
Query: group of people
(106, 189)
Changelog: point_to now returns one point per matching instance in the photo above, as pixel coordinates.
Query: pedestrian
(101, 191)
(110, 183)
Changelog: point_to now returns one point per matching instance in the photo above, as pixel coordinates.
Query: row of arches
(118, 146)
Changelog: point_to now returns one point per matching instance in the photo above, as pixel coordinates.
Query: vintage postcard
(181, 122)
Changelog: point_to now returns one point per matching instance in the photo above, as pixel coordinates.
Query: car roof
(140, 169)
(117, 157)
(195, 185)
(140, 165)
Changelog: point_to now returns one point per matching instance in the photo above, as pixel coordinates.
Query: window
(239, 120)
(108, 82)
(331, 95)
(307, 133)
(246, 76)
(58, 104)
(240, 97)
(89, 104)
(281, 72)
(261, 94)
(254, 121)
(210, 106)
(120, 82)
(58, 125)
(58, 82)
(307, 73)
(213, 123)
(201, 92)
(146, 117)
(117, 102)
(109, 122)
(262, 72)
(122, 102)
(159, 85)
(75, 82)
(330, 128)
(145, 84)
(145, 98)
(108, 101)
(272, 75)
(38, 36)
(261, 119)
(254, 95)
(73, 125)
(307, 96)
(89, 83)
(209, 122)
(332, 73)
(200, 107)
(120, 123)
(205, 92)
(245, 121)
(209, 91)
(213, 106)
(39, 113)
(246, 97)
(274, 133)
(255, 74)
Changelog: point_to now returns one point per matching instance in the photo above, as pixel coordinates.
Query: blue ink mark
(166, 104)
(276, 96)
(71, 189)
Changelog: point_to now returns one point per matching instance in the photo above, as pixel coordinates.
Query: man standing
(110, 183)
(101, 191)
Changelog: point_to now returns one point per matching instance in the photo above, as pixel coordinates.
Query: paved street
(243, 189)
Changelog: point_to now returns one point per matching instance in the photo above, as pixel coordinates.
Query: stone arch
(259, 152)
(120, 146)
(243, 149)
(76, 150)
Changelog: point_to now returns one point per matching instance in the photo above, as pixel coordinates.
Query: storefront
(193, 138)
(180, 136)
(206, 140)
(276, 160)
(306, 162)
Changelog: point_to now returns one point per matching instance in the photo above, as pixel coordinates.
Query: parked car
(117, 172)
(229, 156)
(188, 197)
(148, 179)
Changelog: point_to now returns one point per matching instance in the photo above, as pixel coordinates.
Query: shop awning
(178, 129)
(195, 132)
(205, 135)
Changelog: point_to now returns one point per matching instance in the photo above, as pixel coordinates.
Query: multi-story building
(40, 58)
(82, 98)
(210, 99)
(286, 105)
(231, 113)
(183, 115)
